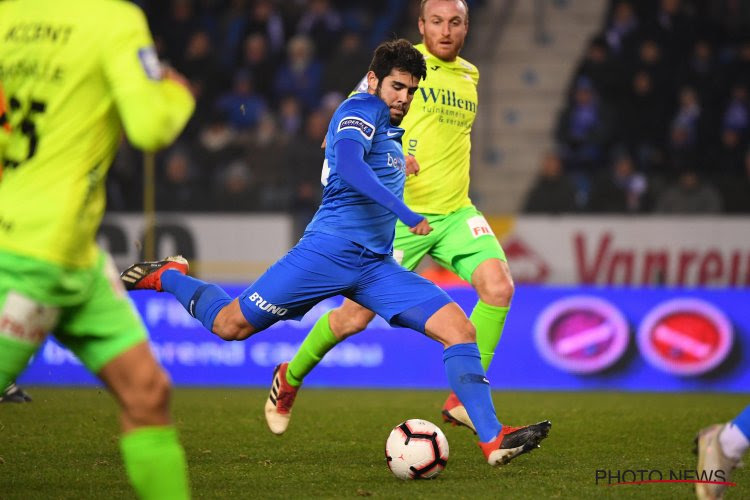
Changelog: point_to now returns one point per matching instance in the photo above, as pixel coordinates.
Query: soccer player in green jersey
(437, 137)
(74, 73)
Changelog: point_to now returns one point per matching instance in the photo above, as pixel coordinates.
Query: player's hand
(422, 229)
(412, 166)
(169, 73)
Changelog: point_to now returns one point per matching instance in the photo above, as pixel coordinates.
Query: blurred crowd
(657, 116)
(267, 75)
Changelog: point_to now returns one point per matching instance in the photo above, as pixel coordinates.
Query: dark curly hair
(401, 55)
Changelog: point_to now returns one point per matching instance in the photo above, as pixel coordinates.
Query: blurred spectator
(265, 154)
(644, 122)
(242, 106)
(684, 131)
(218, 144)
(598, 68)
(584, 129)
(552, 191)
(290, 116)
(673, 26)
(305, 162)
(207, 79)
(257, 60)
(700, 72)
(347, 66)
(236, 190)
(266, 20)
(305, 159)
(689, 195)
(651, 60)
(622, 31)
(735, 131)
(321, 23)
(301, 75)
(175, 31)
(234, 20)
(620, 189)
(179, 190)
(125, 179)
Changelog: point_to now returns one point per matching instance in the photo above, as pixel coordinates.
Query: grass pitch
(65, 445)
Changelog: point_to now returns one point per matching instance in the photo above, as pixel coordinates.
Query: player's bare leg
(231, 324)
(153, 456)
(349, 318)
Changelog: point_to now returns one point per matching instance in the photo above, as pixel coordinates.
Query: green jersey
(71, 83)
(438, 128)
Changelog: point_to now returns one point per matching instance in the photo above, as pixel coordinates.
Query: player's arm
(154, 108)
(352, 168)
(4, 127)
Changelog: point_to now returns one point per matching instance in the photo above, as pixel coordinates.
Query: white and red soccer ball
(416, 449)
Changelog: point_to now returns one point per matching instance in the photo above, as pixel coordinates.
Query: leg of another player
(720, 449)
(494, 285)
(330, 329)
(735, 436)
(154, 459)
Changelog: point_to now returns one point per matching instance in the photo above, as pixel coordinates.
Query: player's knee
(146, 401)
(344, 324)
(231, 327)
(467, 332)
(497, 292)
(232, 332)
(462, 333)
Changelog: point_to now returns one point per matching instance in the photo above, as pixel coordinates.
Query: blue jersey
(344, 212)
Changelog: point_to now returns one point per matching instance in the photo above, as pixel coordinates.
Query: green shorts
(459, 242)
(88, 310)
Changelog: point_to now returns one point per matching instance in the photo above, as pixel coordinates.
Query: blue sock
(202, 300)
(743, 422)
(463, 366)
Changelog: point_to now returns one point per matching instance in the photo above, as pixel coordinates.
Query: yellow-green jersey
(438, 129)
(73, 73)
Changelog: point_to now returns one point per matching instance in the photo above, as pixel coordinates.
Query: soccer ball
(416, 449)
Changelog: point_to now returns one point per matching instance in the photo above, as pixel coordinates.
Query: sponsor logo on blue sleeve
(150, 62)
(353, 122)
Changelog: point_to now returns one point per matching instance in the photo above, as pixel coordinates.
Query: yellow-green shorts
(88, 310)
(459, 241)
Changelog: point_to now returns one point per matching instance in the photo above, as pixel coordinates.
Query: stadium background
(610, 155)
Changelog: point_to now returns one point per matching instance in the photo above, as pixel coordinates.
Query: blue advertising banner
(566, 338)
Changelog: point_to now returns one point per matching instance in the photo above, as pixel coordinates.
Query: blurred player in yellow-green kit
(74, 73)
(437, 143)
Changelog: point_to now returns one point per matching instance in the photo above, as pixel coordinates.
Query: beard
(394, 121)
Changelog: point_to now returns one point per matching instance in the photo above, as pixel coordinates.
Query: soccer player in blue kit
(346, 250)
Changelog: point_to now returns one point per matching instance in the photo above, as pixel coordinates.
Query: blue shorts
(322, 266)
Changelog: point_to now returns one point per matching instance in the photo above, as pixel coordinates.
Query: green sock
(318, 342)
(155, 463)
(489, 322)
(14, 356)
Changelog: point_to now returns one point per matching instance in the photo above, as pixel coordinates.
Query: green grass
(65, 445)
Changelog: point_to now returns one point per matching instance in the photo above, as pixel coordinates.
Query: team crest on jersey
(355, 123)
(150, 62)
